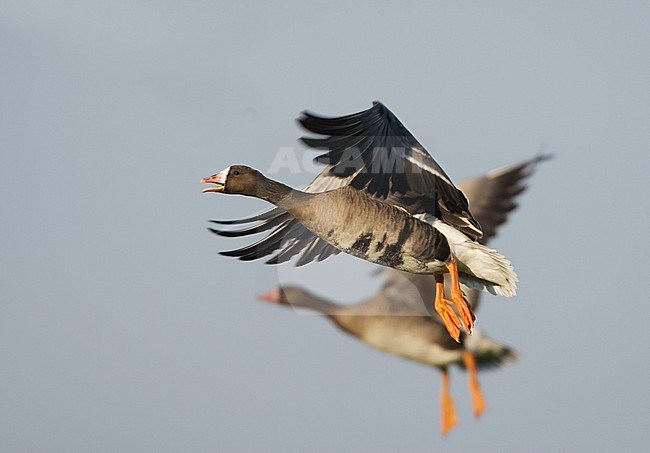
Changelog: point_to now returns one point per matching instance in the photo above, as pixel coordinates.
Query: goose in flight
(397, 319)
(381, 197)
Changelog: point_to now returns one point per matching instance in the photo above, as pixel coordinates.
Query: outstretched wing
(492, 196)
(374, 152)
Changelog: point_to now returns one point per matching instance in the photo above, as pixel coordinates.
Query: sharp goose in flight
(396, 319)
(382, 198)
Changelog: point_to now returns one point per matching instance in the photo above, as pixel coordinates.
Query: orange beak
(270, 296)
(219, 181)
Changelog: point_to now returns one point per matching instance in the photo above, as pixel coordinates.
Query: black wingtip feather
(215, 231)
(264, 215)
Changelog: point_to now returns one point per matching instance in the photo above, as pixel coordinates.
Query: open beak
(219, 181)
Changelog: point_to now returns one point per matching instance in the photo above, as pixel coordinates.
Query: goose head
(236, 179)
(296, 296)
(282, 295)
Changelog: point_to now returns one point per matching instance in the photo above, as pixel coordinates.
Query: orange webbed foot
(448, 418)
(458, 298)
(478, 402)
(444, 309)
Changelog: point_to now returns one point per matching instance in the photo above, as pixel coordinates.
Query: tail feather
(480, 267)
(483, 268)
(488, 352)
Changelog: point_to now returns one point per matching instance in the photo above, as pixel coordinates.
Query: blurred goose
(386, 323)
(382, 198)
(396, 320)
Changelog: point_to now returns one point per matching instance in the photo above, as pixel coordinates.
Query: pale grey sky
(122, 329)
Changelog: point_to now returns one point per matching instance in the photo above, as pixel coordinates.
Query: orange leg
(447, 411)
(458, 298)
(444, 309)
(478, 403)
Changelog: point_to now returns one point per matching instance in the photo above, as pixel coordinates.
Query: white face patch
(222, 176)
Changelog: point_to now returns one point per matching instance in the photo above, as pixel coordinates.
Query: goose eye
(236, 172)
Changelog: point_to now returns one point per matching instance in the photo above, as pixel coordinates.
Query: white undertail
(480, 267)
